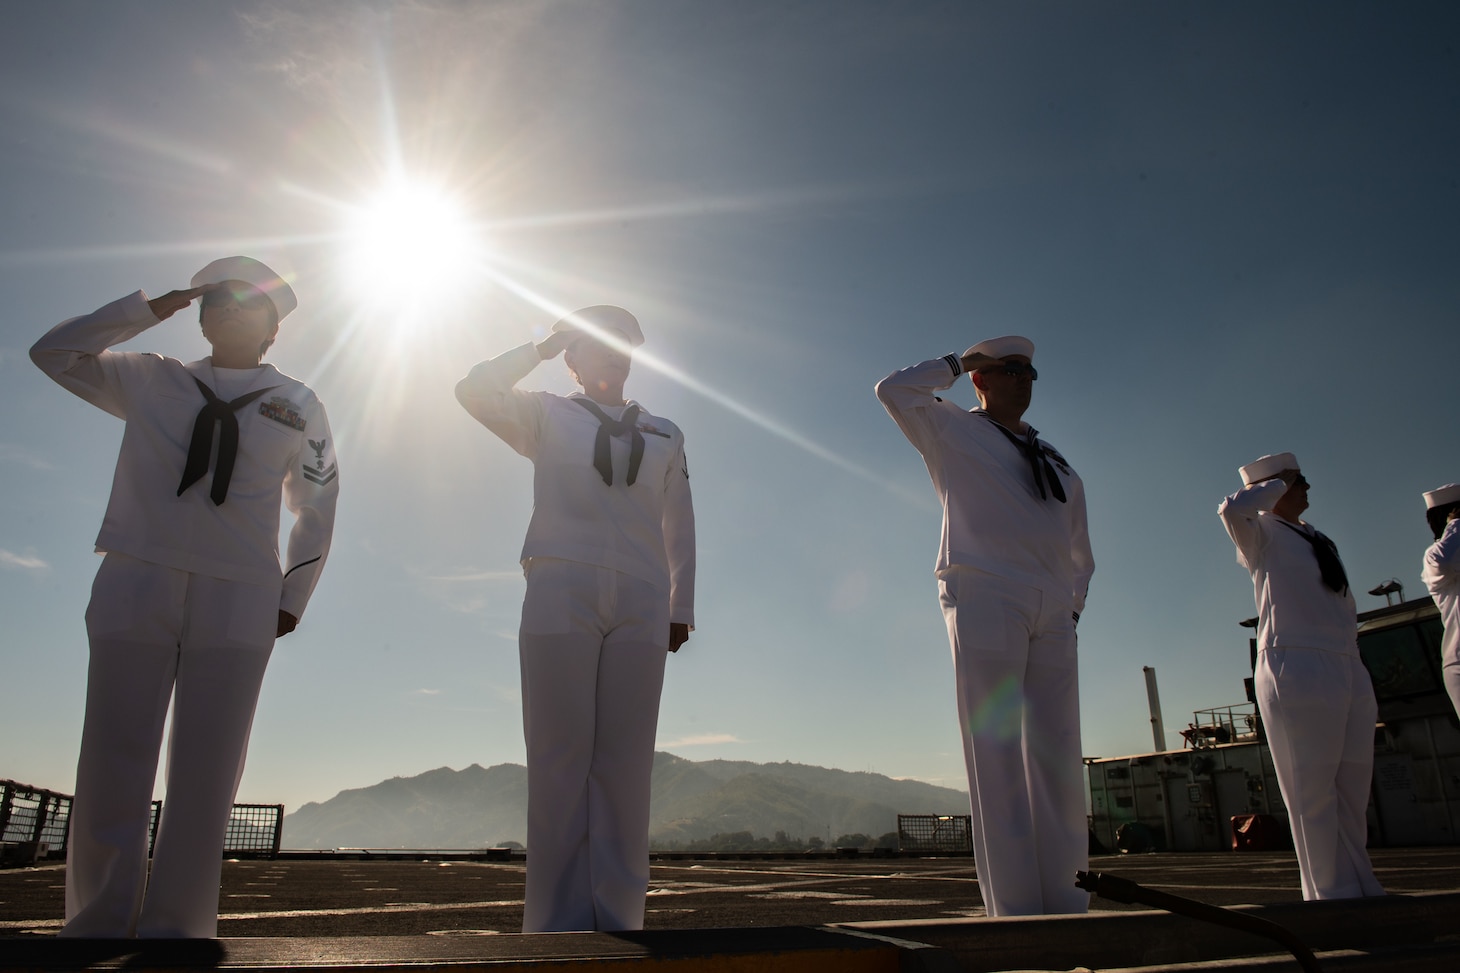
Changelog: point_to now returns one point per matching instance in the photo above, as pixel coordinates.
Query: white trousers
(1014, 658)
(1318, 709)
(1450, 668)
(158, 634)
(592, 645)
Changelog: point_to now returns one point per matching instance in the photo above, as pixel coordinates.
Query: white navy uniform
(609, 567)
(1441, 575)
(1314, 694)
(186, 603)
(1013, 569)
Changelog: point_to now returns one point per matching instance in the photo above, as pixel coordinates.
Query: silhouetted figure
(610, 564)
(191, 594)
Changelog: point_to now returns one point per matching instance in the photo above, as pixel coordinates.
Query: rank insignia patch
(319, 473)
(283, 411)
(1060, 461)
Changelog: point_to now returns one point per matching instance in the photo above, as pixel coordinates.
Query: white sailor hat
(603, 317)
(1267, 467)
(1009, 344)
(1449, 493)
(254, 272)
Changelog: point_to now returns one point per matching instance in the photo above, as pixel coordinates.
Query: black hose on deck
(1124, 890)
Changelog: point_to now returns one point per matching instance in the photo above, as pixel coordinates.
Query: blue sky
(1229, 228)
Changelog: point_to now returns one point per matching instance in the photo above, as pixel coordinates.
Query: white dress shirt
(645, 530)
(993, 516)
(1295, 609)
(1441, 575)
(285, 452)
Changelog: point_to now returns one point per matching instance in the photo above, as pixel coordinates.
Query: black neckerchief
(215, 410)
(627, 423)
(1038, 461)
(1329, 564)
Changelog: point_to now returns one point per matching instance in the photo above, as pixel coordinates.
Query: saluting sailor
(610, 564)
(191, 594)
(1013, 568)
(1314, 694)
(1441, 576)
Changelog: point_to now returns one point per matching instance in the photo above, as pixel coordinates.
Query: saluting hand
(170, 303)
(678, 635)
(553, 345)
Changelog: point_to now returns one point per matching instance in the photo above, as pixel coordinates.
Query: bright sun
(410, 242)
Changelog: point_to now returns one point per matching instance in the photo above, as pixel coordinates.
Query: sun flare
(408, 243)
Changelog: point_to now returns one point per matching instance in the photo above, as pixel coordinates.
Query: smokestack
(1158, 729)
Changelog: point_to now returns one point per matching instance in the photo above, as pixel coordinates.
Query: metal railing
(1221, 725)
(254, 830)
(945, 833)
(34, 824)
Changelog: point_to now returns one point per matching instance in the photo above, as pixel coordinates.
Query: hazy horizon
(1229, 230)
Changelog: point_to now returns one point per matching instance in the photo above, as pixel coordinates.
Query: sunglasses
(1015, 369)
(246, 297)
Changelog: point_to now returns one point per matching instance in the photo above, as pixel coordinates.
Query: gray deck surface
(286, 897)
(838, 915)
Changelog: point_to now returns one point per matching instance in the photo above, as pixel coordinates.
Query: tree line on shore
(780, 841)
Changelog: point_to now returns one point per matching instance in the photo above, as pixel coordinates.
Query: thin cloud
(701, 740)
(26, 562)
(14, 454)
(426, 692)
(461, 590)
(507, 575)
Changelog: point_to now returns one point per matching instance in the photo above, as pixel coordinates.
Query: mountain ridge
(689, 801)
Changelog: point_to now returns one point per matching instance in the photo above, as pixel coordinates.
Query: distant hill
(443, 808)
(480, 807)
